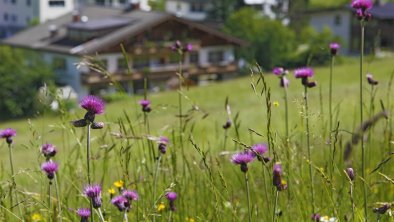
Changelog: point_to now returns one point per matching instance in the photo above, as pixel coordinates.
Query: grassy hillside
(209, 186)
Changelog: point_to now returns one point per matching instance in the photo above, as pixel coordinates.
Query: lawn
(197, 164)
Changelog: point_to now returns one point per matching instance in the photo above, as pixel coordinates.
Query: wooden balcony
(157, 73)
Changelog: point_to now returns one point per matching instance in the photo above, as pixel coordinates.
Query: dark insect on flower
(79, 123)
(84, 213)
(50, 168)
(243, 159)
(8, 134)
(94, 194)
(227, 124)
(370, 80)
(382, 209)
(171, 197)
(284, 82)
(97, 125)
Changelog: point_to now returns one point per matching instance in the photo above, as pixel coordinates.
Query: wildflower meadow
(305, 144)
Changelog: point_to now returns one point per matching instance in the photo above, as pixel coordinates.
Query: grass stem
(309, 148)
(248, 196)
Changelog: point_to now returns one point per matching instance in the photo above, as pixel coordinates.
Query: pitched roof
(124, 25)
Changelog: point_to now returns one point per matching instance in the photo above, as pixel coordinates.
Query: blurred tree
(222, 9)
(22, 73)
(270, 42)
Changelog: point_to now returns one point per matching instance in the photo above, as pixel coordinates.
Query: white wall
(47, 12)
(327, 19)
(183, 9)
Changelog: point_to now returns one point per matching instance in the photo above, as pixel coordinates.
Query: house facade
(85, 49)
(343, 23)
(18, 14)
(195, 10)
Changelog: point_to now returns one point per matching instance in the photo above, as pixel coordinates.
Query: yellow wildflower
(190, 219)
(111, 191)
(119, 184)
(36, 217)
(161, 207)
(276, 103)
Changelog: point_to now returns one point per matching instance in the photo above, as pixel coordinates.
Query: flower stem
(352, 200)
(170, 216)
(332, 148)
(125, 218)
(362, 120)
(49, 201)
(13, 185)
(58, 199)
(88, 166)
(155, 183)
(275, 206)
(309, 148)
(248, 196)
(100, 214)
(287, 143)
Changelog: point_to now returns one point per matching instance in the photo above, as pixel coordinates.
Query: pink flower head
(130, 195)
(121, 203)
(350, 173)
(144, 102)
(48, 150)
(334, 47)
(84, 213)
(278, 71)
(371, 80)
(243, 159)
(50, 168)
(7, 133)
(303, 72)
(92, 104)
(94, 193)
(171, 196)
(259, 149)
(362, 4)
(188, 48)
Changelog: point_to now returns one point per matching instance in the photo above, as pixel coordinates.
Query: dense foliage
(21, 75)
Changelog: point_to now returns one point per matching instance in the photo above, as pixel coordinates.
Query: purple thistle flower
(84, 213)
(121, 203)
(243, 159)
(315, 217)
(93, 104)
(350, 173)
(8, 134)
(259, 150)
(94, 193)
(362, 4)
(188, 48)
(334, 47)
(278, 71)
(50, 168)
(277, 177)
(303, 72)
(130, 195)
(361, 7)
(145, 104)
(48, 150)
(284, 82)
(171, 197)
(370, 80)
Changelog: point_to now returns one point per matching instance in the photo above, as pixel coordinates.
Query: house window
(5, 16)
(28, 2)
(13, 2)
(59, 63)
(194, 58)
(122, 64)
(215, 56)
(338, 20)
(14, 18)
(196, 7)
(57, 3)
(141, 62)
